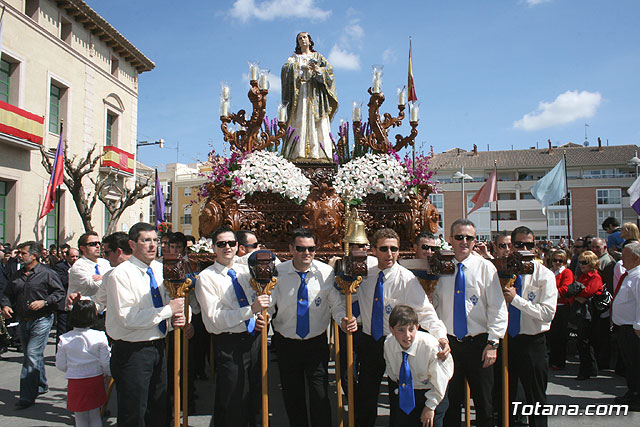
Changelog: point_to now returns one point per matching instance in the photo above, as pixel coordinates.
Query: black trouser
(372, 368)
(357, 337)
(61, 324)
(528, 364)
(300, 360)
(238, 385)
(398, 418)
(558, 336)
(200, 340)
(467, 361)
(629, 345)
(602, 340)
(140, 373)
(588, 366)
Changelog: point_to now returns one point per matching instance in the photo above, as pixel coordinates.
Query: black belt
(138, 344)
(468, 338)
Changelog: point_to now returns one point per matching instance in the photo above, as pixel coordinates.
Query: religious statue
(308, 90)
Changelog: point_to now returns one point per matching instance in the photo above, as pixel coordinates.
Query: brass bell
(356, 233)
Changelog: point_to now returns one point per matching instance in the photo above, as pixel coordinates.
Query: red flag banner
(57, 175)
(487, 193)
(411, 88)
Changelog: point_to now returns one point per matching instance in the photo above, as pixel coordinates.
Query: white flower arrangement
(202, 245)
(267, 171)
(371, 174)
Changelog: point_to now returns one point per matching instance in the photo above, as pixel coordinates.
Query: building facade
(64, 69)
(598, 178)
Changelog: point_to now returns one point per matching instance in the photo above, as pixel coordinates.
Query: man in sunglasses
(231, 310)
(424, 246)
(305, 300)
(532, 304)
(247, 244)
(475, 314)
(85, 276)
(387, 284)
(502, 245)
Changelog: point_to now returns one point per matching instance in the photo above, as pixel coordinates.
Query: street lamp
(159, 142)
(462, 176)
(635, 161)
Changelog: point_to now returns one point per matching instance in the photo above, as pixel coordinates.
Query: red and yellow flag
(411, 89)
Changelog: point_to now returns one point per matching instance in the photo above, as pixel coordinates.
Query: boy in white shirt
(417, 378)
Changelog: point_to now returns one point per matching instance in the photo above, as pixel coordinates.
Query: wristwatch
(494, 344)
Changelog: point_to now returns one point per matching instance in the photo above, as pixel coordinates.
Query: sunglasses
(393, 249)
(583, 262)
(558, 261)
(520, 245)
(251, 245)
(92, 244)
(463, 237)
(430, 248)
(310, 249)
(503, 245)
(222, 244)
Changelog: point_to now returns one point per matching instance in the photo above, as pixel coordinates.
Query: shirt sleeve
(440, 372)
(497, 314)
(127, 306)
(337, 301)
(56, 291)
(214, 316)
(545, 308)
(81, 280)
(105, 356)
(61, 357)
(417, 298)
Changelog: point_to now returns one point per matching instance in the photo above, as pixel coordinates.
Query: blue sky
(502, 72)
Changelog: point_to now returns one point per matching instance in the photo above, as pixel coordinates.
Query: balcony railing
(23, 126)
(113, 157)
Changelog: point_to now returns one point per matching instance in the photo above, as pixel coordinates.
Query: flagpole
(57, 188)
(495, 167)
(567, 199)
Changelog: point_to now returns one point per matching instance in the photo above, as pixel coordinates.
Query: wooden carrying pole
(505, 381)
(467, 404)
(336, 348)
(176, 377)
(185, 367)
(350, 396)
(265, 373)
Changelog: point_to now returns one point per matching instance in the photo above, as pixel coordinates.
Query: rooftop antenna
(586, 140)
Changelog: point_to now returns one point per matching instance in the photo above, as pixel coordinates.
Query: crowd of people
(113, 313)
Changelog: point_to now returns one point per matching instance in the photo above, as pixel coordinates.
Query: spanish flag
(411, 89)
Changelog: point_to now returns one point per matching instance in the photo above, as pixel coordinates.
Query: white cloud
(389, 56)
(275, 84)
(341, 58)
(354, 31)
(536, 2)
(269, 10)
(566, 108)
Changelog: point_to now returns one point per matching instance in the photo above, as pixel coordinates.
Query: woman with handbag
(589, 277)
(559, 333)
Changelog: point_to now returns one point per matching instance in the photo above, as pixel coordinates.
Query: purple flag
(159, 202)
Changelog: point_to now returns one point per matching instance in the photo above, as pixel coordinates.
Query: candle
(282, 113)
(402, 96)
(414, 111)
(357, 112)
(225, 92)
(224, 108)
(264, 82)
(253, 72)
(376, 85)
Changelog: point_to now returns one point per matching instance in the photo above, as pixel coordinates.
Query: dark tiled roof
(577, 156)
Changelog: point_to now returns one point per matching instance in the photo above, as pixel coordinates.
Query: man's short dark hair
(167, 235)
(423, 235)
(523, 229)
(304, 233)
(610, 221)
(190, 238)
(65, 246)
(403, 315)
(83, 314)
(384, 233)
(461, 222)
(82, 241)
(34, 248)
(119, 239)
(178, 238)
(242, 236)
(136, 229)
(220, 230)
(499, 235)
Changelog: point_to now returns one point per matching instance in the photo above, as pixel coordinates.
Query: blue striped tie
(459, 304)
(377, 312)
(242, 299)
(302, 324)
(407, 399)
(157, 299)
(514, 313)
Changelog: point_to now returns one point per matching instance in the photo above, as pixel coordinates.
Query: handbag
(602, 301)
(574, 289)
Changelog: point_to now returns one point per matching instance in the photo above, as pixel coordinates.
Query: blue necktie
(97, 270)
(514, 313)
(405, 386)
(355, 308)
(157, 299)
(459, 304)
(377, 313)
(302, 324)
(242, 299)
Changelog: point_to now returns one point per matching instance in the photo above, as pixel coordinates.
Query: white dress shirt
(81, 276)
(400, 287)
(221, 311)
(324, 299)
(83, 353)
(131, 315)
(537, 304)
(485, 305)
(626, 304)
(427, 371)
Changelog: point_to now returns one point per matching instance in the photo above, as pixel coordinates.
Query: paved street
(50, 408)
